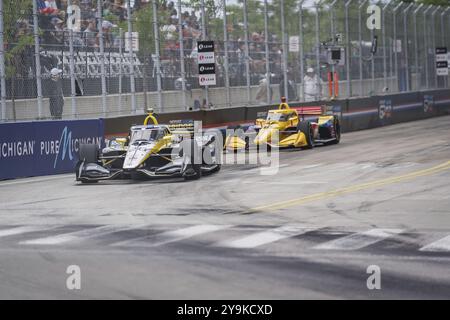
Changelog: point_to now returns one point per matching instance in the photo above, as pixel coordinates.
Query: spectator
(58, 29)
(87, 10)
(107, 34)
(56, 96)
(90, 34)
(313, 86)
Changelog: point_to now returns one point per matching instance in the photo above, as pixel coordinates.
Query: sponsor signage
(206, 57)
(207, 80)
(45, 147)
(206, 63)
(134, 41)
(205, 46)
(207, 68)
(441, 61)
(294, 44)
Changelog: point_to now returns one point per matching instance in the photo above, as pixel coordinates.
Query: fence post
(383, 35)
(267, 55)
(247, 54)
(203, 17)
(225, 48)
(362, 3)
(157, 57)
(425, 41)
(302, 52)
(2, 67)
(394, 14)
(130, 48)
(102, 55)
(433, 32)
(405, 26)
(318, 73)
(182, 70)
(416, 45)
(120, 69)
(285, 54)
(443, 37)
(37, 58)
(72, 75)
(349, 48)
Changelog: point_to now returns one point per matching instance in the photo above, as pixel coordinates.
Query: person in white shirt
(313, 86)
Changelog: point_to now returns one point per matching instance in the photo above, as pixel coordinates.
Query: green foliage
(15, 42)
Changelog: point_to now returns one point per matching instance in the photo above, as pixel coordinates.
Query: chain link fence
(87, 58)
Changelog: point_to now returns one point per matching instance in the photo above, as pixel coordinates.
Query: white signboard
(294, 44)
(398, 46)
(206, 57)
(207, 79)
(441, 61)
(442, 71)
(134, 39)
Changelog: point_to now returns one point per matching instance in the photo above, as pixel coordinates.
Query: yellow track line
(333, 193)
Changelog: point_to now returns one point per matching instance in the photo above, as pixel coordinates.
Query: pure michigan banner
(45, 147)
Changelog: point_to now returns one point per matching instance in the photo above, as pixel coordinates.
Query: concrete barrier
(355, 114)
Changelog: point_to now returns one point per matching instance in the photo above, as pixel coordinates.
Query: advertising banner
(45, 147)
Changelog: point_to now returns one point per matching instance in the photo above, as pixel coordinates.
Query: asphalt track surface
(381, 197)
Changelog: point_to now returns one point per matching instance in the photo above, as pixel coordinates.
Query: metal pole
(226, 57)
(130, 47)
(416, 44)
(405, 26)
(102, 55)
(266, 44)
(157, 58)
(72, 71)
(332, 18)
(318, 74)
(37, 58)
(2, 67)
(394, 14)
(247, 53)
(285, 53)
(202, 4)
(443, 39)
(183, 72)
(383, 17)
(349, 48)
(120, 68)
(433, 36)
(425, 39)
(72, 75)
(363, 2)
(302, 52)
(333, 37)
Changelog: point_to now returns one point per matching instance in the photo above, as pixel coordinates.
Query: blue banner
(45, 147)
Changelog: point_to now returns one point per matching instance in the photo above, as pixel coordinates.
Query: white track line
(265, 237)
(172, 236)
(20, 230)
(359, 240)
(441, 245)
(33, 179)
(76, 236)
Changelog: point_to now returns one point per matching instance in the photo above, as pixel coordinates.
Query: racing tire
(89, 153)
(216, 169)
(337, 128)
(306, 128)
(194, 168)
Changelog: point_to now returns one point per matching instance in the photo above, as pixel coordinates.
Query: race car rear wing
(309, 111)
(182, 127)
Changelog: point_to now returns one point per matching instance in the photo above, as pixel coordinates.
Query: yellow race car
(302, 127)
(151, 150)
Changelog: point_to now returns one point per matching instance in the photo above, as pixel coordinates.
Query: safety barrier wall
(44, 147)
(355, 114)
(51, 147)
